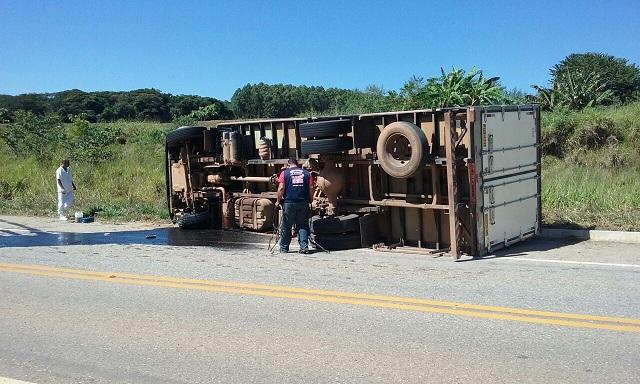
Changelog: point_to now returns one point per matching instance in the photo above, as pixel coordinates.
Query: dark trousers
(298, 214)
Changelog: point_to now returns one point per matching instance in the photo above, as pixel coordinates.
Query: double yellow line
(378, 301)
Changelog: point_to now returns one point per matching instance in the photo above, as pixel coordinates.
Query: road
(100, 303)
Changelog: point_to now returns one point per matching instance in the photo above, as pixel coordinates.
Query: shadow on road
(537, 244)
(33, 237)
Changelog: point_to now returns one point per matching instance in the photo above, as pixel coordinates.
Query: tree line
(140, 104)
(578, 81)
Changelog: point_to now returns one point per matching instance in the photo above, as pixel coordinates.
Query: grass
(591, 174)
(593, 180)
(590, 197)
(130, 186)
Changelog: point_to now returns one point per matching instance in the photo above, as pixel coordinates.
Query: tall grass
(565, 131)
(129, 186)
(591, 174)
(590, 179)
(592, 197)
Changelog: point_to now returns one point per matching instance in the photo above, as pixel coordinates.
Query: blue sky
(211, 48)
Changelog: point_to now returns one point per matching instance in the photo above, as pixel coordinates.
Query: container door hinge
(489, 168)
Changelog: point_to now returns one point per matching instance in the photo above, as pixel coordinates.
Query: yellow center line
(379, 301)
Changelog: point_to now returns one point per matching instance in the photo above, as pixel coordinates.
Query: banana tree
(458, 88)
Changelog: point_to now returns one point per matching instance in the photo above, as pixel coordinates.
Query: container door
(509, 183)
(511, 207)
(509, 142)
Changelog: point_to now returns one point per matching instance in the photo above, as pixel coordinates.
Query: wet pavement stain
(160, 236)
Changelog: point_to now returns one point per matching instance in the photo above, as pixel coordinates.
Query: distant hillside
(141, 104)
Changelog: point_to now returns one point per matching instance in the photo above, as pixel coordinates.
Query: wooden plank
(452, 184)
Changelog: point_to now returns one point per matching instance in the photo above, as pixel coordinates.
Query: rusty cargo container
(455, 180)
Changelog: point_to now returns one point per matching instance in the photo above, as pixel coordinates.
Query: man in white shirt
(66, 187)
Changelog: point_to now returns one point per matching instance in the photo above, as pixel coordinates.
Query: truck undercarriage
(458, 180)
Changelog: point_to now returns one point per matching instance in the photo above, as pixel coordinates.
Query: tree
(460, 88)
(409, 96)
(183, 105)
(615, 74)
(282, 100)
(151, 104)
(77, 102)
(215, 111)
(33, 135)
(518, 96)
(5, 116)
(37, 103)
(574, 89)
(89, 143)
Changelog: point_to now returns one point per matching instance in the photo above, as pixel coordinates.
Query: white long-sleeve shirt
(65, 178)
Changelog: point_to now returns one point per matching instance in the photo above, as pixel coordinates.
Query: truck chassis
(454, 180)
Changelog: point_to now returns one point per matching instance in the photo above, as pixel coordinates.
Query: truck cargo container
(452, 180)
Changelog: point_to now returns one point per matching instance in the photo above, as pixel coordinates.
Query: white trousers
(64, 202)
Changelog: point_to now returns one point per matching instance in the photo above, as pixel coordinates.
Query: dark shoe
(284, 250)
(304, 251)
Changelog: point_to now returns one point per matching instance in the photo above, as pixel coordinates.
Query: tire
(319, 129)
(335, 224)
(337, 242)
(398, 136)
(184, 133)
(322, 146)
(193, 220)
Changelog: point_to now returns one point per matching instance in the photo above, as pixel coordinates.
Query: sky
(212, 48)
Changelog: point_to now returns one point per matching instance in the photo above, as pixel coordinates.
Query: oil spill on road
(160, 236)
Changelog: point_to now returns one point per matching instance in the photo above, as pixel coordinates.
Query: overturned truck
(456, 180)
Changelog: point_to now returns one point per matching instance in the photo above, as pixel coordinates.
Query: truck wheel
(335, 224)
(322, 146)
(193, 220)
(401, 149)
(184, 133)
(337, 242)
(330, 128)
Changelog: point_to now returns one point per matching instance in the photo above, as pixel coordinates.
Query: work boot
(282, 250)
(304, 251)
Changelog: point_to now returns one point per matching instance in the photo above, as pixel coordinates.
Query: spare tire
(329, 128)
(335, 224)
(184, 133)
(337, 242)
(322, 146)
(401, 149)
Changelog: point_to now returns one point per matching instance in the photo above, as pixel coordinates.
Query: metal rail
(486, 209)
(488, 151)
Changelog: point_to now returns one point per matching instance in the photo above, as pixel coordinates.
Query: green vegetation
(591, 174)
(456, 88)
(141, 105)
(592, 181)
(125, 181)
(590, 79)
(590, 197)
(590, 138)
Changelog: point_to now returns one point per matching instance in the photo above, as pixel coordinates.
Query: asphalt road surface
(96, 303)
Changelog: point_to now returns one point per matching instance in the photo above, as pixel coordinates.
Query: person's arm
(280, 195)
(59, 180)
